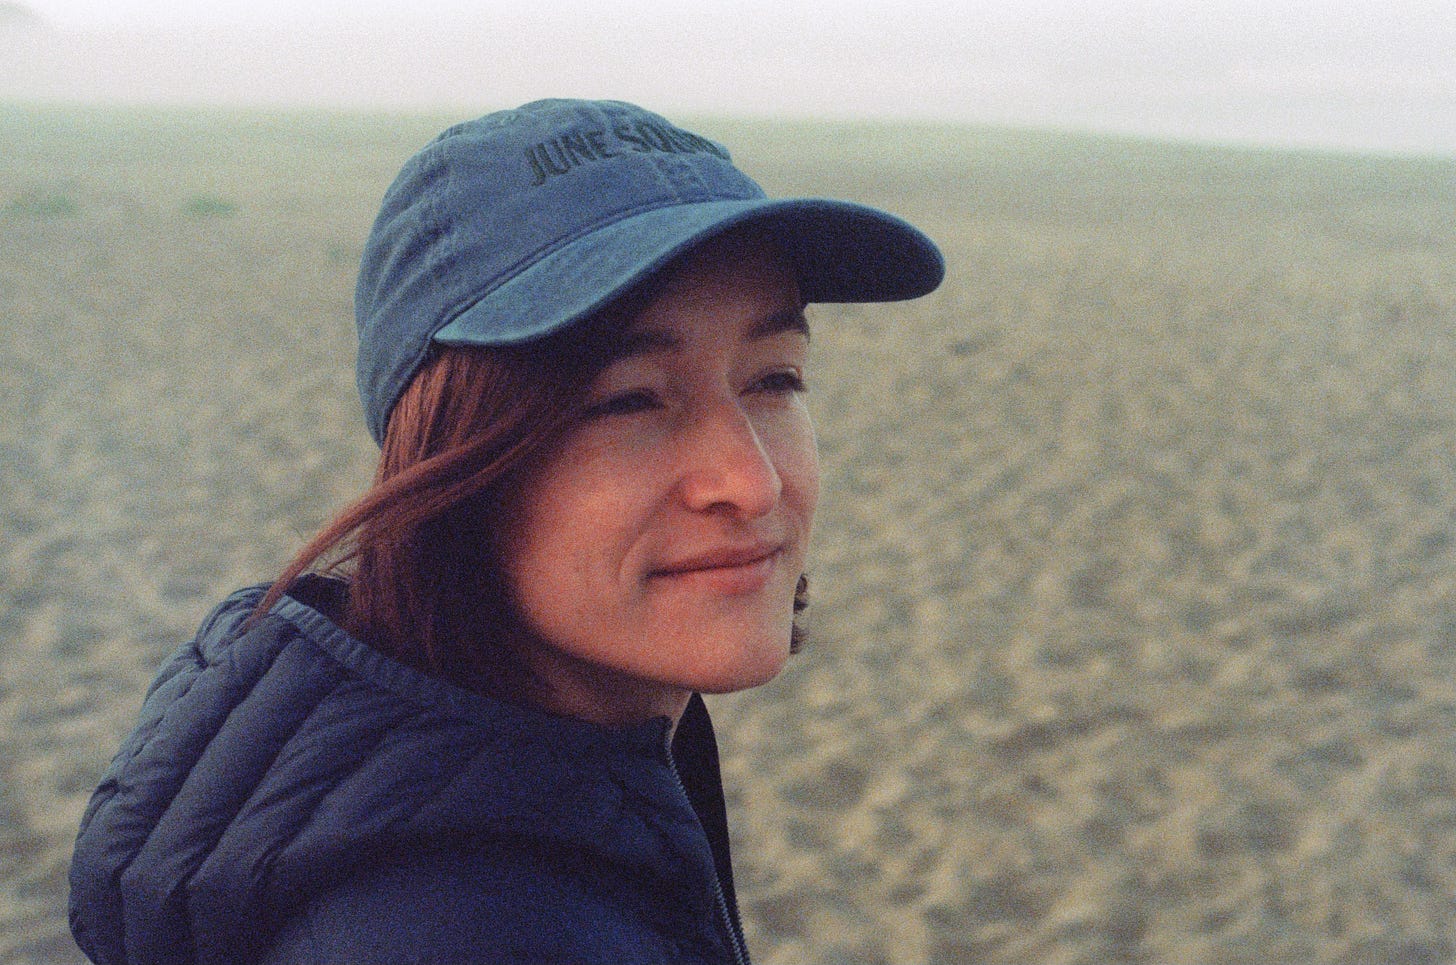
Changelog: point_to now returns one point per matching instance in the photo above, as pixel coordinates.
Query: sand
(1134, 620)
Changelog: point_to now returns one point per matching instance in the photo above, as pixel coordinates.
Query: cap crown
(487, 199)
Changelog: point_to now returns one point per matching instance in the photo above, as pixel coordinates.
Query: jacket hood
(270, 761)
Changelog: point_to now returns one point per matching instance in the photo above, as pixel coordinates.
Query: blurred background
(1336, 73)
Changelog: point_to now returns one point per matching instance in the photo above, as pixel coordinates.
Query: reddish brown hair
(424, 586)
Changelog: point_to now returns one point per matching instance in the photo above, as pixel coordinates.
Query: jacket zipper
(740, 954)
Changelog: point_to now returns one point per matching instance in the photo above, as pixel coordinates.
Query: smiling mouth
(725, 559)
(736, 570)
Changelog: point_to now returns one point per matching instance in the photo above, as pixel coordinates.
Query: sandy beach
(1134, 583)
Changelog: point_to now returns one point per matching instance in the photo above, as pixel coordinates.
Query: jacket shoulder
(149, 768)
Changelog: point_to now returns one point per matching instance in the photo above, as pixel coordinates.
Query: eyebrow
(649, 341)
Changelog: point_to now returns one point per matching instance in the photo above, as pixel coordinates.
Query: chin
(752, 669)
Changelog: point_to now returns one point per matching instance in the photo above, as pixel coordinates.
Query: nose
(725, 464)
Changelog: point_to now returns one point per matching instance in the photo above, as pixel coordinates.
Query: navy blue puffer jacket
(291, 795)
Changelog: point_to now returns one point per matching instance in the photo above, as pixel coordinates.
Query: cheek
(796, 458)
(582, 506)
(543, 521)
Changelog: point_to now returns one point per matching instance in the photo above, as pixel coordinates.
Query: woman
(582, 349)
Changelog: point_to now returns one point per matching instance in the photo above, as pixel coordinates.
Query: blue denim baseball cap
(514, 225)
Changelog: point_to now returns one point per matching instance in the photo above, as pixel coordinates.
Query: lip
(723, 558)
(734, 569)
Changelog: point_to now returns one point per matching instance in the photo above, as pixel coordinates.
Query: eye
(624, 403)
(781, 382)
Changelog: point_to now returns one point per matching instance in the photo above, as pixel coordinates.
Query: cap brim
(841, 251)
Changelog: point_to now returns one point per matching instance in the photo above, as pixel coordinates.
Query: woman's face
(657, 549)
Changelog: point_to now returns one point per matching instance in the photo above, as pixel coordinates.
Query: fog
(1372, 77)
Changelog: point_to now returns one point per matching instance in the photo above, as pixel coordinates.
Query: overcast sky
(1364, 75)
